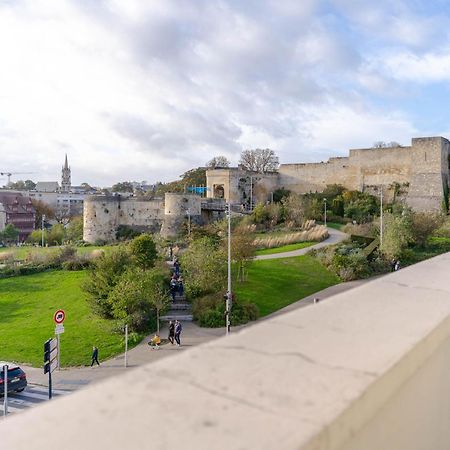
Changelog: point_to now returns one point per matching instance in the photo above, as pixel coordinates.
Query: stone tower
(65, 177)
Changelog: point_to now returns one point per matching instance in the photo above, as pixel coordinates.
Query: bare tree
(218, 162)
(259, 160)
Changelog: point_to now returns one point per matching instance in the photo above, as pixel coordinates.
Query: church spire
(65, 177)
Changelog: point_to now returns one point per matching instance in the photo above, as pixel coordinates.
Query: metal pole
(325, 218)
(59, 351)
(42, 230)
(227, 312)
(126, 345)
(381, 216)
(50, 383)
(189, 222)
(5, 383)
(251, 193)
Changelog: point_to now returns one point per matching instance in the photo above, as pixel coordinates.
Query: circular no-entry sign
(59, 316)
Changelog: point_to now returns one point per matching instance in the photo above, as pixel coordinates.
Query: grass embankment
(275, 283)
(21, 253)
(27, 304)
(284, 248)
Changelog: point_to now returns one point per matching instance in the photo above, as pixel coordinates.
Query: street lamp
(42, 230)
(381, 216)
(228, 296)
(325, 214)
(189, 221)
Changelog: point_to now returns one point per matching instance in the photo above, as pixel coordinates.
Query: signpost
(51, 351)
(59, 318)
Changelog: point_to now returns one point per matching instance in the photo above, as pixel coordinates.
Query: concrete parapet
(367, 369)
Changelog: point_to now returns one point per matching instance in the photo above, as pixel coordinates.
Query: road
(32, 396)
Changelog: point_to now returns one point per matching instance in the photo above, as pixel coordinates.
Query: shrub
(317, 233)
(209, 311)
(143, 251)
(125, 233)
(423, 225)
(6, 257)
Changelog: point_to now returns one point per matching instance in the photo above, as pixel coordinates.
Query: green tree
(138, 297)
(74, 230)
(143, 251)
(56, 235)
(9, 234)
(242, 250)
(204, 267)
(42, 209)
(397, 233)
(124, 186)
(103, 277)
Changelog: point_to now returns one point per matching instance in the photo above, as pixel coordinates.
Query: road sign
(59, 316)
(59, 329)
(50, 355)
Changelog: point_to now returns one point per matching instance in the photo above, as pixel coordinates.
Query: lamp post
(42, 230)
(381, 216)
(251, 193)
(325, 213)
(189, 221)
(228, 299)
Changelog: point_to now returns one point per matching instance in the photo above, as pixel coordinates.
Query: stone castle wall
(421, 169)
(104, 214)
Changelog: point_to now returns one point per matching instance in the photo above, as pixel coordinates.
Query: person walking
(173, 286)
(178, 329)
(171, 332)
(180, 286)
(176, 266)
(94, 356)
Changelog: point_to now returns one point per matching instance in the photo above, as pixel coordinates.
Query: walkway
(335, 237)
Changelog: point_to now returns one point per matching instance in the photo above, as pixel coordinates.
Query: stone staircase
(179, 309)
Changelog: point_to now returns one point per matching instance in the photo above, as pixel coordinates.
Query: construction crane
(8, 174)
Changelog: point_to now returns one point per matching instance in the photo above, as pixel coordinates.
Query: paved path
(335, 237)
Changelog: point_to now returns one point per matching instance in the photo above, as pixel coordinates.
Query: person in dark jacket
(94, 356)
(178, 329)
(171, 332)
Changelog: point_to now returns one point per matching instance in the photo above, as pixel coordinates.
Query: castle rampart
(422, 170)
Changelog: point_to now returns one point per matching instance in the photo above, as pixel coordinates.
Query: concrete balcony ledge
(369, 369)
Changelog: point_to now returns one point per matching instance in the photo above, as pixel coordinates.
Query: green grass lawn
(284, 248)
(27, 304)
(275, 283)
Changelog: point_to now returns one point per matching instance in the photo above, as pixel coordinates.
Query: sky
(145, 90)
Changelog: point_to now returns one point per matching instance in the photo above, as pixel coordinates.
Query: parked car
(17, 379)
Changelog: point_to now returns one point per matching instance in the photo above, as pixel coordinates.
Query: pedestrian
(170, 252)
(171, 332)
(173, 287)
(155, 341)
(393, 262)
(397, 265)
(176, 266)
(180, 286)
(94, 356)
(178, 329)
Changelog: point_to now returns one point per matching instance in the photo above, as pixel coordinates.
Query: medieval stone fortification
(421, 170)
(104, 214)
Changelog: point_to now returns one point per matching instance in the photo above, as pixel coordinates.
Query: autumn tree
(218, 162)
(259, 160)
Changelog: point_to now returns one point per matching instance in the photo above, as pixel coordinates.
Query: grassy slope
(27, 304)
(276, 283)
(284, 248)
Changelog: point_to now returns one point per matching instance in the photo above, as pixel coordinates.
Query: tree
(124, 186)
(74, 230)
(259, 160)
(218, 162)
(242, 250)
(56, 234)
(423, 225)
(20, 185)
(103, 277)
(143, 251)
(295, 210)
(397, 233)
(9, 234)
(204, 267)
(42, 209)
(138, 295)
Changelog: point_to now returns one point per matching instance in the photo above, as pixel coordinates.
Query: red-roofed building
(17, 210)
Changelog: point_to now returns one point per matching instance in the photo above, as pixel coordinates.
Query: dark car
(17, 379)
